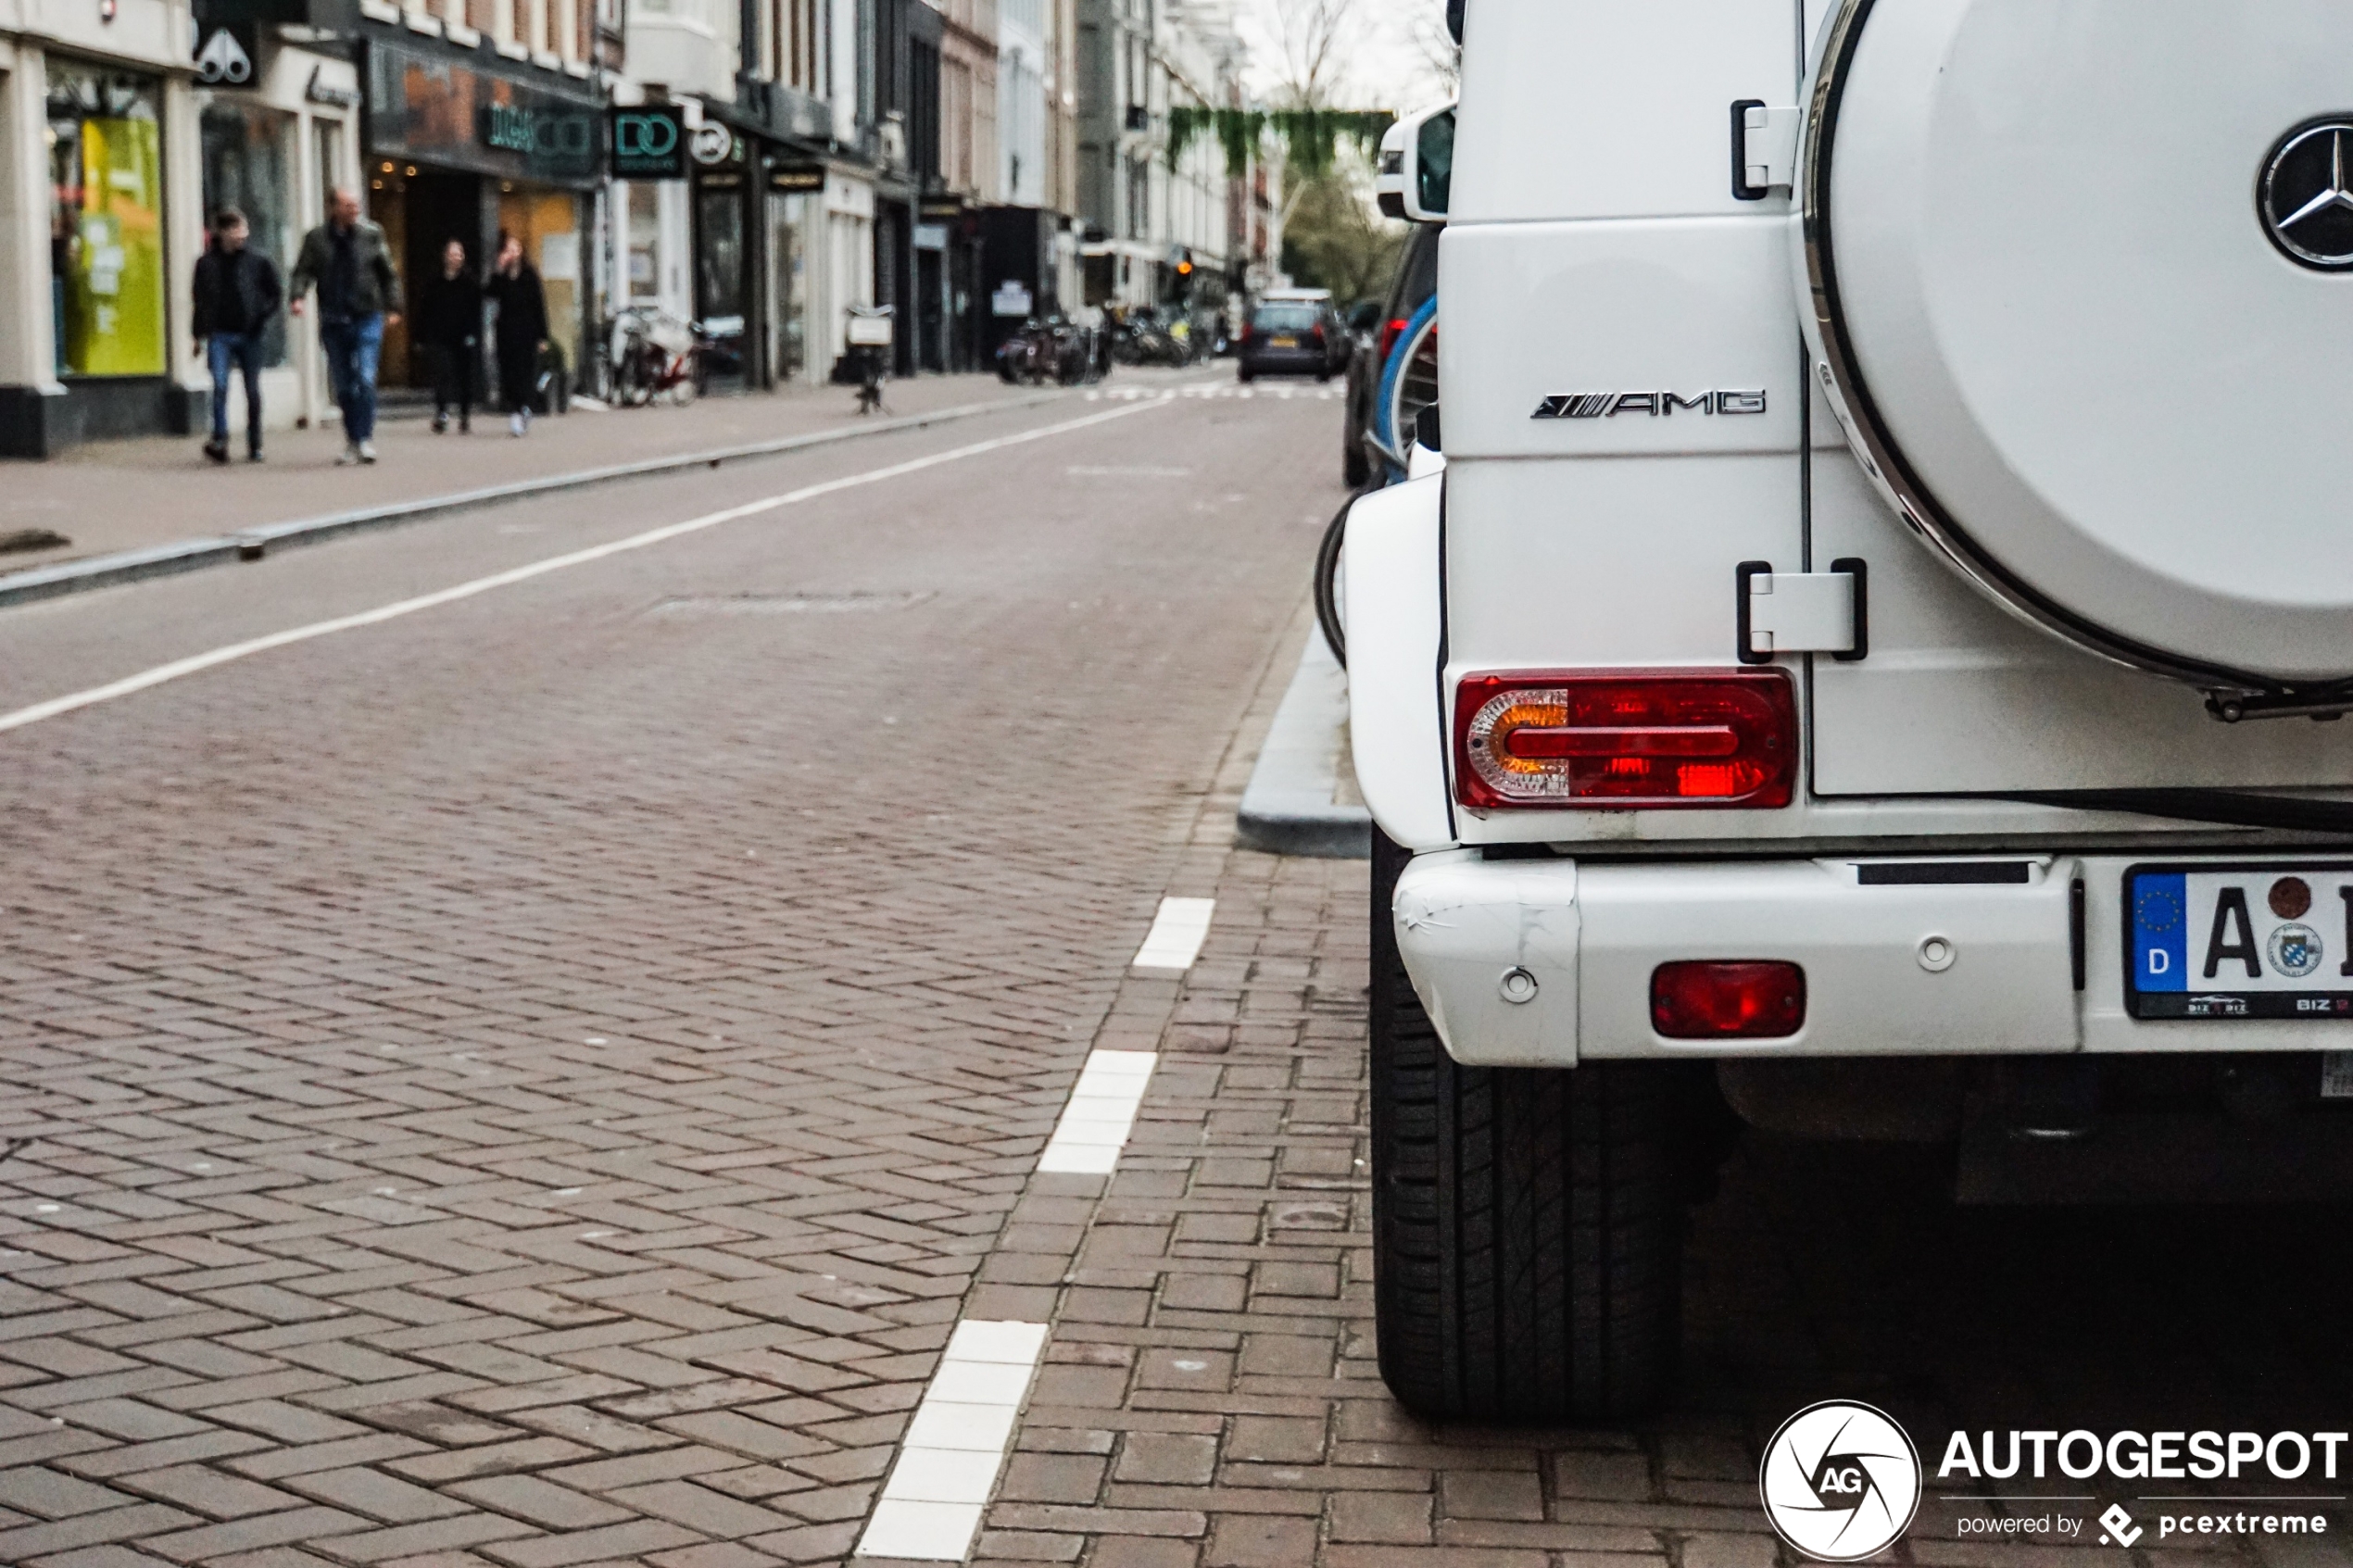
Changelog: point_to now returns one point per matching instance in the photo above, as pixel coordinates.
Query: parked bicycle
(868, 338)
(657, 355)
(1053, 348)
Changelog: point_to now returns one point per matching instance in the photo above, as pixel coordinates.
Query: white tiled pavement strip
(1177, 932)
(1094, 1125)
(931, 1506)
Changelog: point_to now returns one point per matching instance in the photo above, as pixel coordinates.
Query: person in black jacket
(236, 293)
(448, 329)
(522, 330)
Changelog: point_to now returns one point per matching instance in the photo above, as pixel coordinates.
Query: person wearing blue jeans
(347, 259)
(353, 347)
(237, 297)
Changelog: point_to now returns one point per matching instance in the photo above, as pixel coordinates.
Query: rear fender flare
(1394, 579)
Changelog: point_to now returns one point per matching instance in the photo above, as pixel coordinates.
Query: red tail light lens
(1390, 333)
(1728, 1000)
(1625, 740)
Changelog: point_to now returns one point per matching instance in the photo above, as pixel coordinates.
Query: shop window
(106, 226)
(327, 150)
(719, 259)
(246, 165)
(645, 243)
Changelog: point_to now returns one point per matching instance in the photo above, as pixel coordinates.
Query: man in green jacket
(347, 259)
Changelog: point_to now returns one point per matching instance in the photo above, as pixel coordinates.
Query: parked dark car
(1295, 333)
(1417, 280)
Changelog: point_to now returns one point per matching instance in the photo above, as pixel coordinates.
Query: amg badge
(1658, 404)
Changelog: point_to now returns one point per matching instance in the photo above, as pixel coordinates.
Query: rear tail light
(1741, 999)
(1626, 739)
(1317, 333)
(1390, 333)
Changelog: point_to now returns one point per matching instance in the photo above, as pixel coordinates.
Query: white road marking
(1101, 1111)
(1177, 932)
(1138, 394)
(947, 1469)
(196, 663)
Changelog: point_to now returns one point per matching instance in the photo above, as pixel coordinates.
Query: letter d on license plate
(2247, 941)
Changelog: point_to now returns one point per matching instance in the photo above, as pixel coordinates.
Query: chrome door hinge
(1764, 148)
(1778, 612)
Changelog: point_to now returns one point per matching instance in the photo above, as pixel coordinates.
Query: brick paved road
(534, 1083)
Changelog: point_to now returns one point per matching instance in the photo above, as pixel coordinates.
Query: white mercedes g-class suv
(1871, 657)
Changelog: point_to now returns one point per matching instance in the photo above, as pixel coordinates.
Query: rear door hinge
(1764, 148)
(1779, 612)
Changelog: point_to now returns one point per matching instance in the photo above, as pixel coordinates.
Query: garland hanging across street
(1308, 136)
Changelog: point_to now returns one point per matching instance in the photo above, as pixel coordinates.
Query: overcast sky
(1384, 67)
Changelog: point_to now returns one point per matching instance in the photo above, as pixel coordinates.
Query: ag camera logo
(1841, 1481)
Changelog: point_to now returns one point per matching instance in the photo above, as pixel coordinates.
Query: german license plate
(1282, 342)
(2239, 941)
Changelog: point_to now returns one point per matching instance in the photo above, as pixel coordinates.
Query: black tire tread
(1527, 1224)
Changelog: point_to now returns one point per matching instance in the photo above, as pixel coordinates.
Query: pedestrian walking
(237, 292)
(450, 326)
(522, 334)
(347, 259)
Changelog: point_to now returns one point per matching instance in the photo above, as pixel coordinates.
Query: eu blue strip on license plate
(2244, 941)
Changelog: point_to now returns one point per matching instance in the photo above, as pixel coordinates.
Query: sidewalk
(116, 495)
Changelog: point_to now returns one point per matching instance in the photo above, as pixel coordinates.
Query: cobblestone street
(536, 1080)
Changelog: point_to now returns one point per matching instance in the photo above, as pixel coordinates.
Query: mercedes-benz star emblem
(2306, 201)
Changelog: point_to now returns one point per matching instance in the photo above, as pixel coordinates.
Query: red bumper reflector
(1727, 999)
(1626, 739)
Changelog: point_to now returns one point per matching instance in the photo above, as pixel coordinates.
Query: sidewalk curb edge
(1287, 808)
(190, 555)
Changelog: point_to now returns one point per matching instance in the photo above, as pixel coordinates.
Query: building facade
(1155, 228)
(101, 146)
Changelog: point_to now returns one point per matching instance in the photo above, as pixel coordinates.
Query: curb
(1289, 809)
(253, 544)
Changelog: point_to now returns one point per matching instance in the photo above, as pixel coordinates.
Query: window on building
(645, 243)
(105, 222)
(326, 147)
(248, 150)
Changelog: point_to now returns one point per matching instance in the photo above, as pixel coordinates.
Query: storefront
(276, 137)
(460, 151)
(87, 347)
(723, 196)
(796, 239)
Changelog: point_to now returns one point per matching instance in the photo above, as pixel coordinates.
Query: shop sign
(335, 94)
(796, 177)
(438, 110)
(649, 143)
(712, 146)
(224, 56)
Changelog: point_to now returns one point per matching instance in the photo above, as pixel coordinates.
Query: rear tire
(1526, 1222)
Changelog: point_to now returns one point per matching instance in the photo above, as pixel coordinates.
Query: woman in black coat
(448, 326)
(522, 330)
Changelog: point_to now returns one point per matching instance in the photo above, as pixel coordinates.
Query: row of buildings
(760, 165)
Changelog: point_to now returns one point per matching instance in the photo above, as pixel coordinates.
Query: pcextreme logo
(1841, 1481)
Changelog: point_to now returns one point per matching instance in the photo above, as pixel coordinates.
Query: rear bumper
(2035, 966)
(1286, 362)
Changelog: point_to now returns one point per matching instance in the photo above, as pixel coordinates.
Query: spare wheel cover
(2072, 341)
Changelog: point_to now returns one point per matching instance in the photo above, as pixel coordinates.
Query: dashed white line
(1101, 1111)
(1177, 932)
(931, 1506)
(202, 661)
